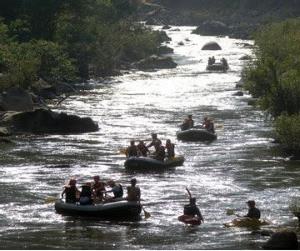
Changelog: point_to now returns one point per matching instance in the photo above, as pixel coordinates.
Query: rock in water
(214, 46)
(155, 62)
(45, 121)
(212, 28)
(282, 240)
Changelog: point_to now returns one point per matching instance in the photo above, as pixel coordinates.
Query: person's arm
(63, 192)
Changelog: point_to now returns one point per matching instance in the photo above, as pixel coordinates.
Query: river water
(240, 165)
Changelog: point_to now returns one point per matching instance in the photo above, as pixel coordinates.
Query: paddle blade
(146, 214)
(123, 151)
(50, 199)
(230, 212)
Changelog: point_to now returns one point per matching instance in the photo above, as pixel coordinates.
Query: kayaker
(86, 194)
(116, 189)
(132, 150)
(142, 149)
(98, 189)
(160, 153)
(71, 191)
(191, 213)
(133, 191)
(253, 212)
(170, 149)
(154, 140)
(190, 121)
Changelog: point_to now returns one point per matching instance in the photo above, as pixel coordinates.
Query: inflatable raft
(196, 135)
(112, 210)
(147, 163)
(218, 67)
(247, 222)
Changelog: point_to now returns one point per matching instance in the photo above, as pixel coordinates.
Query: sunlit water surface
(238, 166)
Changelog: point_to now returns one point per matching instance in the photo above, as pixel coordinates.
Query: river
(240, 165)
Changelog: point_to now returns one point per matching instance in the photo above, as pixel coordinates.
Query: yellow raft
(246, 222)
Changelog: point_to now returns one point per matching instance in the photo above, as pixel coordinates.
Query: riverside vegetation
(274, 78)
(67, 41)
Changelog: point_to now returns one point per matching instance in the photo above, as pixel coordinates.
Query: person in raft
(86, 194)
(132, 150)
(133, 191)
(98, 188)
(208, 125)
(170, 149)
(253, 212)
(160, 152)
(188, 123)
(71, 191)
(117, 191)
(191, 213)
(154, 140)
(142, 149)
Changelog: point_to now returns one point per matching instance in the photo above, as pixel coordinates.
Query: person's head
(154, 136)
(193, 200)
(168, 142)
(190, 116)
(111, 183)
(72, 182)
(96, 178)
(133, 182)
(132, 142)
(251, 203)
(205, 118)
(141, 142)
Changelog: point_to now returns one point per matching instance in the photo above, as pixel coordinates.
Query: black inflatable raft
(147, 163)
(196, 135)
(113, 210)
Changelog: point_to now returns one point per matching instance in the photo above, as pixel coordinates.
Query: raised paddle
(146, 214)
(190, 195)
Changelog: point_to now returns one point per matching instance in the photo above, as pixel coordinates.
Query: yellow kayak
(246, 222)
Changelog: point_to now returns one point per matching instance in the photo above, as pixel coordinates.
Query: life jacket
(118, 192)
(132, 151)
(143, 149)
(190, 210)
(170, 150)
(133, 193)
(71, 194)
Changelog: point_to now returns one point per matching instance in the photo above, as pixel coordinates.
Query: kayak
(247, 222)
(147, 163)
(112, 210)
(196, 135)
(191, 221)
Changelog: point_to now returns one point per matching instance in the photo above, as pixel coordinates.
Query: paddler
(253, 212)
(191, 213)
(71, 191)
(133, 191)
(170, 147)
(154, 141)
(132, 150)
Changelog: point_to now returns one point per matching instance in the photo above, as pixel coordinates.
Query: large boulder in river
(155, 62)
(45, 121)
(212, 28)
(214, 46)
(282, 240)
(16, 99)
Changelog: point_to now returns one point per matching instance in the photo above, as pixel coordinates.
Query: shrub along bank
(65, 41)
(274, 78)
